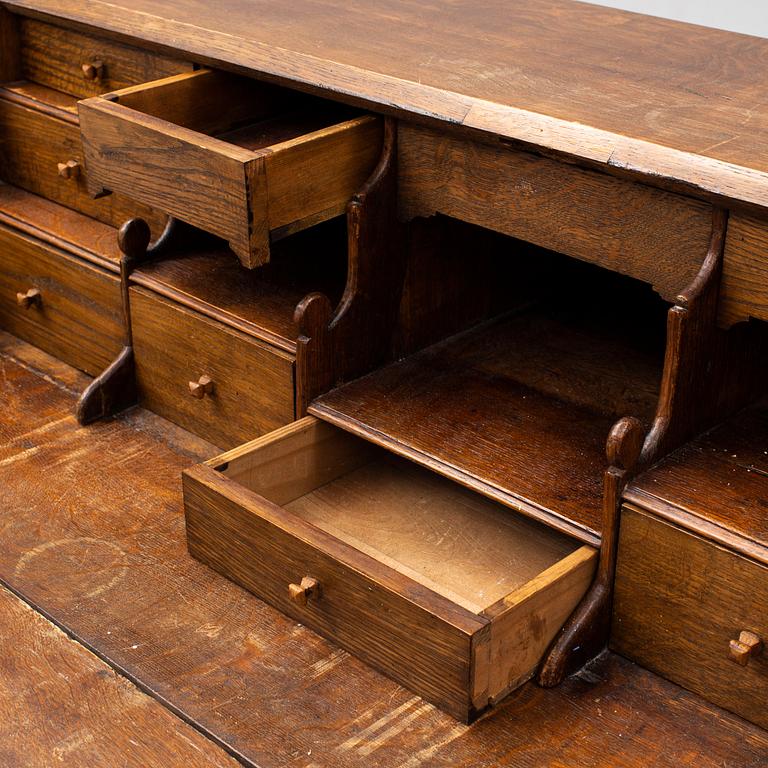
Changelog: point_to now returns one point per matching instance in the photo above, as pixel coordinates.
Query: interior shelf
(519, 409)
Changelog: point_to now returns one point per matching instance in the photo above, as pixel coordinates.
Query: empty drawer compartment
(241, 159)
(451, 594)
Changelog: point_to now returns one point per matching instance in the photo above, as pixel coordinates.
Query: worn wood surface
(253, 383)
(60, 704)
(271, 690)
(76, 313)
(628, 92)
(35, 136)
(651, 235)
(716, 484)
(679, 601)
(744, 292)
(55, 56)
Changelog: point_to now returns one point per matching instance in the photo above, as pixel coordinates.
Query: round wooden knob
(202, 387)
(70, 170)
(93, 70)
(29, 299)
(746, 647)
(308, 589)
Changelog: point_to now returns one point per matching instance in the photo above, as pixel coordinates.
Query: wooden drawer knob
(202, 387)
(93, 71)
(300, 593)
(29, 299)
(70, 169)
(743, 649)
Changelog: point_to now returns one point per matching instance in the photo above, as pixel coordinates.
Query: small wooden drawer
(682, 603)
(85, 65)
(57, 302)
(451, 594)
(213, 380)
(236, 157)
(40, 151)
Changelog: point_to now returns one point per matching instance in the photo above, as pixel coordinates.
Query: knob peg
(202, 387)
(31, 298)
(308, 589)
(93, 70)
(70, 170)
(746, 647)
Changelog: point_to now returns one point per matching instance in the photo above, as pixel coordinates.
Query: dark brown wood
(86, 65)
(639, 231)
(100, 720)
(630, 93)
(261, 684)
(680, 602)
(37, 137)
(112, 391)
(10, 48)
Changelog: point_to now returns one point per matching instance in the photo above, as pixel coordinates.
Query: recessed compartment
(450, 593)
(244, 160)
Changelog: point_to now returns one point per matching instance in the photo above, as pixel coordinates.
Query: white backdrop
(748, 16)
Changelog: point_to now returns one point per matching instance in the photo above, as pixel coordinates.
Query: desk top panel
(685, 104)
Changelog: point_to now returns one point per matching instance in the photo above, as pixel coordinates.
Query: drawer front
(77, 315)
(69, 61)
(33, 144)
(252, 384)
(652, 235)
(680, 601)
(263, 549)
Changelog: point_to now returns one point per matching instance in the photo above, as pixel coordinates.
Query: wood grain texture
(60, 704)
(162, 152)
(676, 103)
(253, 383)
(679, 601)
(54, 56)
(10, 48)
(78, 314)
(264, 686)
(743, 293)
(642, 232)
(34, 140)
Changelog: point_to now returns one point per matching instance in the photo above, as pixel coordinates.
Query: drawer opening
(519, 407)
(276, 161)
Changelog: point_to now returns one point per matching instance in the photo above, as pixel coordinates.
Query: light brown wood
(158, 142)
(58, 302)
(680, 601)
(202, 387)
(253, 388)
(745, 272)
(642, 232)
(315, 502)
(746, 647)
(83, 64)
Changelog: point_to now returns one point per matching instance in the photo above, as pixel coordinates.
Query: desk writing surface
(682, 103)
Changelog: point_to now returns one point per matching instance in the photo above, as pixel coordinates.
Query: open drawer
(449, 593)
(241, 159)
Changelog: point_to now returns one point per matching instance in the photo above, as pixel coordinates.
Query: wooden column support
(338, 346)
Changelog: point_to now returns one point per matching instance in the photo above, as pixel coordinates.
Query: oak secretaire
(445, 288)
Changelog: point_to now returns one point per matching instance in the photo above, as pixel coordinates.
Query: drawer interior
(467, 548)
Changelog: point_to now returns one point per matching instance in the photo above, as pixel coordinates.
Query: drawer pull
(300, 593)
(31, 298)
(202, 387)
(743, 649)
(70, 169)
(93, 71)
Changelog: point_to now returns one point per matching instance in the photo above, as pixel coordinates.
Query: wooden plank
(35, 142)
(631, 93)
(267, 687)
(253, 383)
(55, 56)
(651, 235)
(59, 703)
(76, 313)
(10, 49)
(745, 274)
(679, 601)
